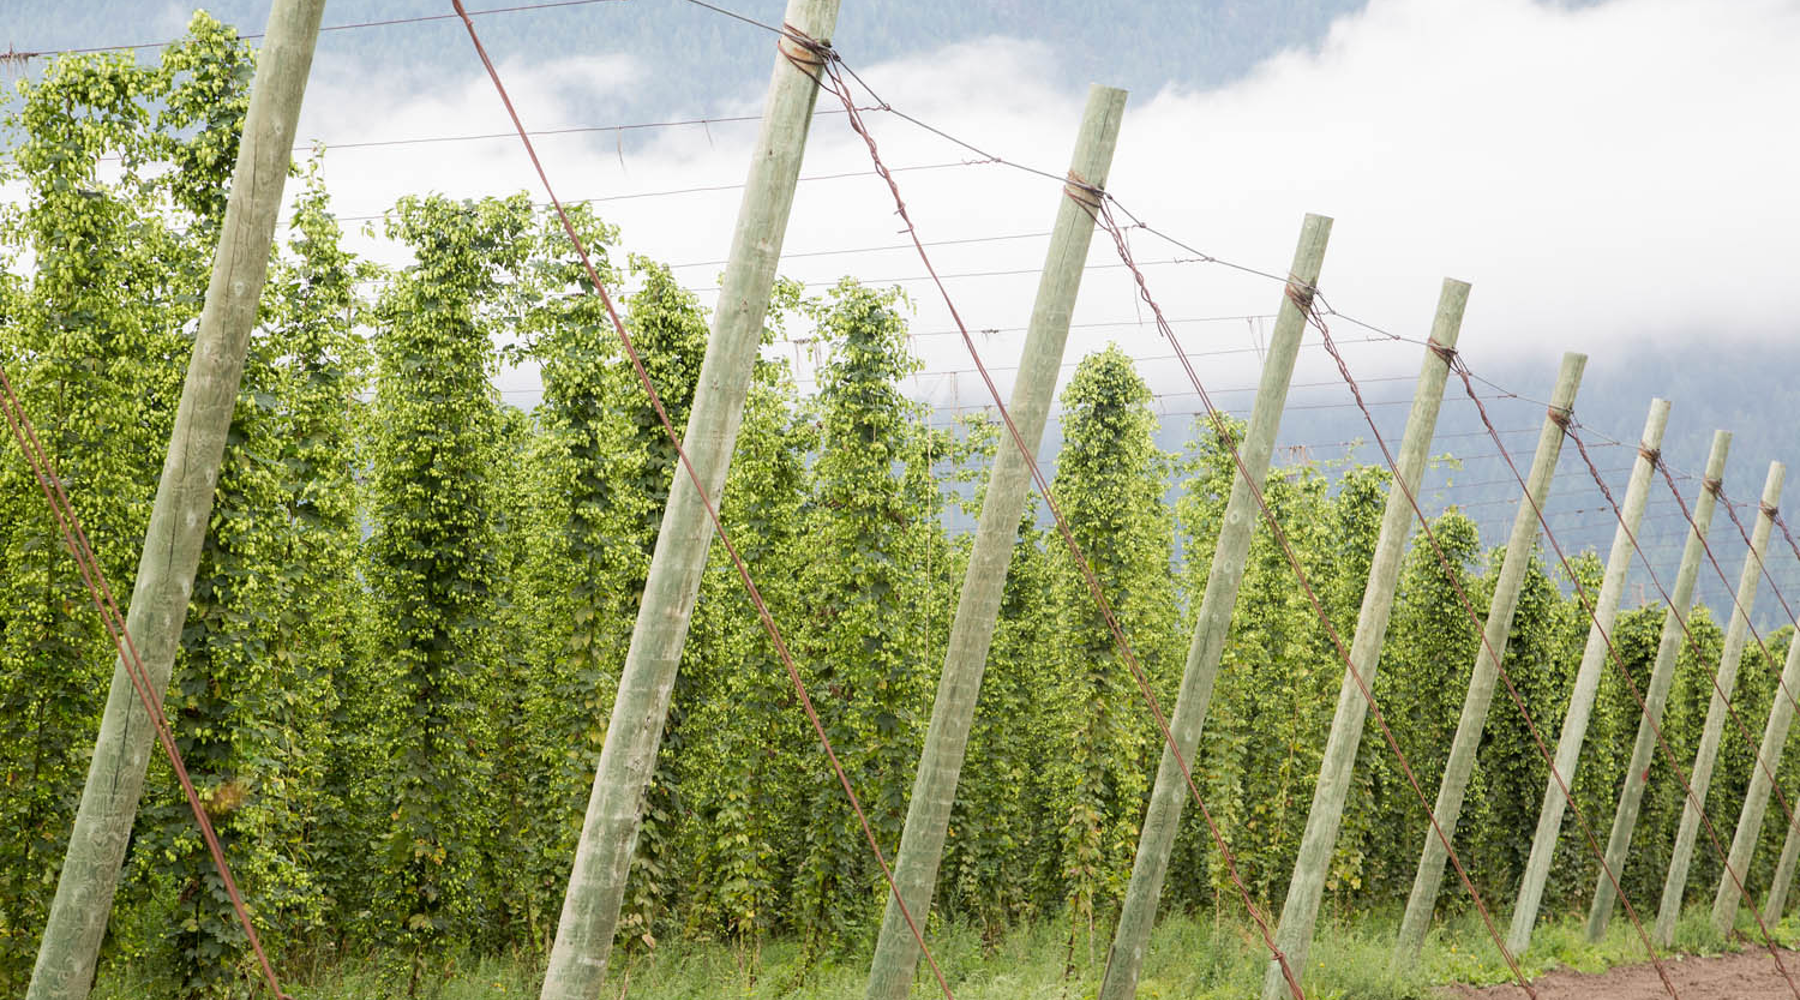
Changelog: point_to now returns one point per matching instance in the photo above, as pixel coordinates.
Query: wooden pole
(1656, 697)
(183, 507)
(1756, 798)
(590, 910)
(1784, 869)
(1587, 684)
(1299, 913)
(984, 584)
(1700, 775)
(1520, 550)
(1170, 794)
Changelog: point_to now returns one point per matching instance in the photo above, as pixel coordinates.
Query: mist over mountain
(1746, 390)
(695, 63)
(1742, 389)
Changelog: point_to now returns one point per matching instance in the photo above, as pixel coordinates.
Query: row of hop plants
(415, 599)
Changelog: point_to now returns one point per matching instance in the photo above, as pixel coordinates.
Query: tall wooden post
(1170, 794)
(183, 507)
(1520, 549)
(1776, 903)
(1700, 775)
(1300, 912)
(1756, 798)
(1656, 697)
(590, 910)
(984, 584)
(1587, 683)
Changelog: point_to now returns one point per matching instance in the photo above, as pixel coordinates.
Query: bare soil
(1746, 975)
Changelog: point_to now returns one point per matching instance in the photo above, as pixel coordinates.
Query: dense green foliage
(415, 601)
(1101, 747)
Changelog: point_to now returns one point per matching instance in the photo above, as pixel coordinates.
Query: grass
(1191, 958)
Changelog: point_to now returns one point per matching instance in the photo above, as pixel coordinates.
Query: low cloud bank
(1604, 176)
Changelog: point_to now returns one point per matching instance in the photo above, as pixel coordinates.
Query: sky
(1606, 177)
(1613, 178)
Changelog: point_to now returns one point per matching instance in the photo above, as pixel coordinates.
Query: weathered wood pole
(1700, 775)
(1170, 794)
(1656, 695)
(590, 910)
(1520, 548)
(1300, 912)
(984, 583)
(1776, 903)
(1587, 683)
(1756, 798)
(183, 507)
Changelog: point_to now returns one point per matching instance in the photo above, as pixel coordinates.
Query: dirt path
(1748, 975)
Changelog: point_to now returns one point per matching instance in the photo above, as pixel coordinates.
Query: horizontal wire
(309, 145)
(987, 157)
(998, 273)
(541, 132)
(14, 55)
(713, 188)
(882, 248)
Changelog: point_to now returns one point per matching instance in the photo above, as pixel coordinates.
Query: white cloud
(1603, 176)
(173, 18)
(1600, 175)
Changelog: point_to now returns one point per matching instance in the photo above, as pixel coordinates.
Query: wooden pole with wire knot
(183, 508)
(1300, 910)
(1724, 681)
(609, 832)
(1656, 696)
(984, 584)
(1170, 794)
(1587, 683)
(1460, 765)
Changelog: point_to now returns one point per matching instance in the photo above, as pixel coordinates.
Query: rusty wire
(712, 513)
(832, 82)
(76, 541)
(1450, 358)
(1468, 379)
(1654, 456)
(1303, 297)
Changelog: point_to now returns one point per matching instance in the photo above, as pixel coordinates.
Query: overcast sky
(1610, 176)
(1604, 176)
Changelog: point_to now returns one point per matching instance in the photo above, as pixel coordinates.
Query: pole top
(1772, 485)
(1655, 423)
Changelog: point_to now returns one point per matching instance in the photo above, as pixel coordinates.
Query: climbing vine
(1108, 478)
(431, 558)
(417, 594)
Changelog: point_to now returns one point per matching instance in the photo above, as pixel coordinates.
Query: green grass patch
(1191, 958)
